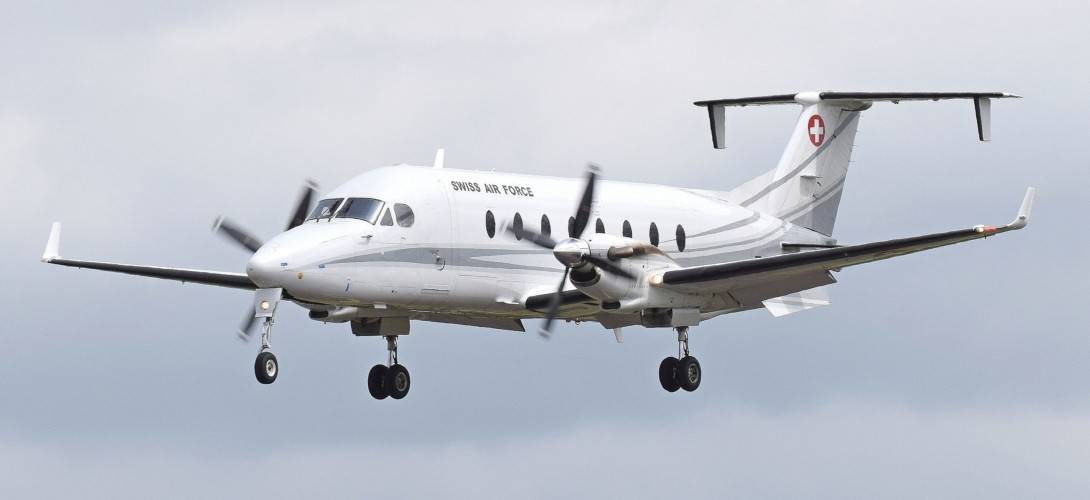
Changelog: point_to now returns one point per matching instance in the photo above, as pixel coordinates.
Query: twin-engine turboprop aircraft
(402, 244)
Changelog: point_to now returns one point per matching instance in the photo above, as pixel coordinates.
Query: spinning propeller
(234, 232)
(573, 252)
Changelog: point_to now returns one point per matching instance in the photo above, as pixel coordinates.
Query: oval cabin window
(626, 230)
(546, 228)
(653, 233)
(517, 226)
(680, 234)
(599, 227)
(490, 224)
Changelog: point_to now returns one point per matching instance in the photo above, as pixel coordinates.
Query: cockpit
(366, 209)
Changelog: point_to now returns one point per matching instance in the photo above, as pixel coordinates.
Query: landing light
(655, 279)
(264, 305)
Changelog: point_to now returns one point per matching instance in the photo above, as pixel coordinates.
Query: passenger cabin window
(325, 209)
(599, 227)
(387, 220)
(546, 228)
(653, 233)
(626, 230)
(571, 227)
(517, 226)
(404, 215)
(680, 235)
(490, 224)
(365, 209)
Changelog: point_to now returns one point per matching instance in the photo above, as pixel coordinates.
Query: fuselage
(453, 252)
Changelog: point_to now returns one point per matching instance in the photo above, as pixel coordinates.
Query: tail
(806, 185)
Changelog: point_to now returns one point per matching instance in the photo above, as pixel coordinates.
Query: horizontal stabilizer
(981, 103)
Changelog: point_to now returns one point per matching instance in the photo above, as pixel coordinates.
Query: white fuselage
(447, 260)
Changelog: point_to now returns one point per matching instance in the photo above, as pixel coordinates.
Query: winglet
(1024, 211)
(53, 246)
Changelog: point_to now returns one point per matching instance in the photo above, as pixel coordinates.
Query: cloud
(842, 450)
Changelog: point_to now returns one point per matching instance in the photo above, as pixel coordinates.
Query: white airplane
(401, 244)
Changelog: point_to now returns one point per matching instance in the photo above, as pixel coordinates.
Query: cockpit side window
(387, 220)
(325, 209)
(404, 214)
(365, 209)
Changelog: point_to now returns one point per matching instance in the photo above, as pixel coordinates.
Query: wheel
(396, 381)
(375, 380)
(266, 367)
(667, 369)
(688, 373)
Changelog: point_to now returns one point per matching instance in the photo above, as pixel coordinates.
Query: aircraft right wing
(811, 268)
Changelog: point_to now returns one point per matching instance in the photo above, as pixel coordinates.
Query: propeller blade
(609, 267)
(246, 329)
(582, 215)
(554, 306)
(302, 207)
(235, 233)
(534, 237)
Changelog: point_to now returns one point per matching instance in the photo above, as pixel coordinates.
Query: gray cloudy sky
(960, 372)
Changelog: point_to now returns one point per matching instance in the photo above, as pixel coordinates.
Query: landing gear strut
(265, 366)
(682, 372)
(391, 379)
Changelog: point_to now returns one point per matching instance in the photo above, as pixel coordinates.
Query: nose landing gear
(266, 367)
(682, 372)
(391, 379)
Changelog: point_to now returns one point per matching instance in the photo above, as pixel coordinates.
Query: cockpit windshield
(325, 209)
(366, 209)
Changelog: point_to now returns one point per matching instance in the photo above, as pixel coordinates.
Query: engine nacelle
(611, 290)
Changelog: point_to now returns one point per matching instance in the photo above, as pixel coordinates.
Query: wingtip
(1024, 211)
(53, 245)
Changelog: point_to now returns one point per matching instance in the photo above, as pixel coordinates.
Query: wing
(216, 278)
(788, 273)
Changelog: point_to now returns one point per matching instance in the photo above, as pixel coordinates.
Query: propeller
(235, 233)
(572, 252)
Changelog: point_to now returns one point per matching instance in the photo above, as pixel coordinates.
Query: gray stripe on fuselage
(733, 225)
(463, 257)
(469, 258)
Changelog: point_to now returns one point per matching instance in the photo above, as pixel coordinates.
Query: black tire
(396, 382)
(688, 373)
(266, 367)
(375, 379)
(667, 369)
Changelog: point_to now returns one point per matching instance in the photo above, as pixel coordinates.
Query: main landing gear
(682, 372)
(391, 379)
(265, 366)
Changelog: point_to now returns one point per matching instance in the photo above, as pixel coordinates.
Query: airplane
(402, 244)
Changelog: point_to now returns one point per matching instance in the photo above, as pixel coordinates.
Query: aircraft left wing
(811, 268)
(216, 278)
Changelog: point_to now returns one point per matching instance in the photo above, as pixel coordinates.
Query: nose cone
(264, 267)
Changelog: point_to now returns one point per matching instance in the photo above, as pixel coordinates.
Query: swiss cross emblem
(815, 128)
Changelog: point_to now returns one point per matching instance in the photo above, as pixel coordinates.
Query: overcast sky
(959, 372)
